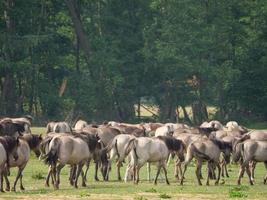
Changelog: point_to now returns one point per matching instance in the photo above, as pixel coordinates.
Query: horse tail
(128, 147)
(116, 148)
(52, 156)
(242, 139)
(199, 153)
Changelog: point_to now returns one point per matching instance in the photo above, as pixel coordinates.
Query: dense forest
(99, 59)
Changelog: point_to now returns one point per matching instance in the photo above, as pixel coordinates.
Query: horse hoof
(13, 190)
(7, 189)
(83, 185)
(22, 188)
(238, 183)
(2, 191)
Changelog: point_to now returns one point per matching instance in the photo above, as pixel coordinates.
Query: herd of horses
(135, 144)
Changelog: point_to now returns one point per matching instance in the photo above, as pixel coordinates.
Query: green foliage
(174, 53)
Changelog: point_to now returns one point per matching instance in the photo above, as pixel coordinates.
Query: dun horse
(8, 150)
(209, 150)
(27, 143)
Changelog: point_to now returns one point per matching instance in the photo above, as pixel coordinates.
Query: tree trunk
(8, 99)
(79, 30)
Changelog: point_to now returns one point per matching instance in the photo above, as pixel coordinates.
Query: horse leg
(19, 174)
(226, 171)
(87, 168)
(223, 167)
(249, 175)
(137, 173)
(56, 174)
(198, 171)
(72, 174)
(209, 166)
(1, 181)
(148, 172)
(80, 165)
(253, 167)
(48, 176)
(189, 157)
(7, 181)
(118, 170)
(241, 172)
(127, 173)
(165, 172)
(83, 179)
(219, 172)
(96, 171)
(157, 175)
(21, 185)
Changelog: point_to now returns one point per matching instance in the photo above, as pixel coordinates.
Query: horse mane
(221, 144)
(90, 139)
(8, 142)
(32, 140)
(172, 143)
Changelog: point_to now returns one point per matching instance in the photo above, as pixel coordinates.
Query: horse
(23, 121)
(80, 124)
(165, 130)
(58, 127)
(178, 148)
(106, 135)
(8, 146)
(187, 139)
(27, 143)
(117, 150)
(144, 149)
(252, 150)
(7, 127)
(210, 150)
(73, 150)
(230, 140)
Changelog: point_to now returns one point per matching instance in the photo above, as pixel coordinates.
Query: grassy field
(36, 171)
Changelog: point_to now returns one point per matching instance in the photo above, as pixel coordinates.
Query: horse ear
(40, 137)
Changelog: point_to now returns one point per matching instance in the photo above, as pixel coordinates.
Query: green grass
(35, 187)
